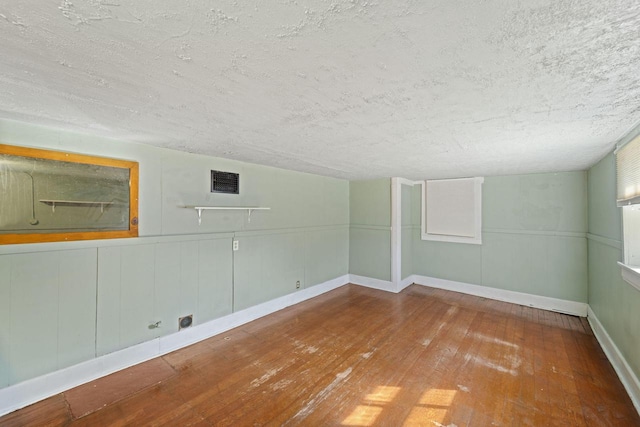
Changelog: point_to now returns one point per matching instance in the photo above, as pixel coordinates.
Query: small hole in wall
(185, 322)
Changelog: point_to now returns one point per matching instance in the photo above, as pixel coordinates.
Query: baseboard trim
(31, 391)
(625, 373)
(406, 282)
(193, 335)
(530, 300)
(370, 282)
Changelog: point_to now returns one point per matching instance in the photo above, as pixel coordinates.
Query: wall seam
(95, 321)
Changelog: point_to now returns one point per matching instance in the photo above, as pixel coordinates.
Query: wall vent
(185, 322)
(225, 182)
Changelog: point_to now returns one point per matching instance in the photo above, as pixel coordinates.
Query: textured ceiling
(351, 89)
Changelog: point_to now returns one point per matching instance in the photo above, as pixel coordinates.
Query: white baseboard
(25, 393)
(406, 282)
(193, 335)
(625, 373)
(31, 391)
(369, 282)
(530, 300)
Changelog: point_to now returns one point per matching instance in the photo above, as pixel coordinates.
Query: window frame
(630, 205)
(60, 156)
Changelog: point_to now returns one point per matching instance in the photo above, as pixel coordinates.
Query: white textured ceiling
(351, 89)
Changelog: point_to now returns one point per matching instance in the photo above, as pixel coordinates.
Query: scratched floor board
(378, 352)
(296, 365)
(377, 385)
(359, 357)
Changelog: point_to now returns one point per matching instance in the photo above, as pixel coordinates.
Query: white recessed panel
(452, 210)
(450, 207)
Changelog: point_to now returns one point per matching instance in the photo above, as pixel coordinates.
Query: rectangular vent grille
(225, 182)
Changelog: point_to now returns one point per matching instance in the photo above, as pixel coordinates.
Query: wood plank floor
(361, 357)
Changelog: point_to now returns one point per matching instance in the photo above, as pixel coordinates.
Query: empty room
(323, 212)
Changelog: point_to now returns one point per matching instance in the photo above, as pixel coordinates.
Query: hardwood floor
(360, 357)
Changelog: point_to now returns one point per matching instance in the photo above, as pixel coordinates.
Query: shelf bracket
(53, 207)
(249, 210)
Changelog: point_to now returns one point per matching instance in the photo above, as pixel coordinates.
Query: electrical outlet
(236, 245)
(298, 284)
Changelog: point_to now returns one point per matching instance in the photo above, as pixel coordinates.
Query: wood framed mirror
(50, 196)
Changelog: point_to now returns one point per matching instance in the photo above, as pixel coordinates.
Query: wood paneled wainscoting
(361, 357)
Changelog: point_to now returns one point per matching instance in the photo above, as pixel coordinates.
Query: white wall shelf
(225, 208)
(53, 203)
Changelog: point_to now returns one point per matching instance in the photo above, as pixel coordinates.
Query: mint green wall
(615, 303)
(66, 302)
(62, 303)
(48, 312)
(451, 261)
(161, 281)
(370, 228)
(269, 263)
(370, 202)
(296, 199)
(605, 218)
(534, 239)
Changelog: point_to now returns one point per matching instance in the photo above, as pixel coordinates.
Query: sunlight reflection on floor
(366, 415)
(431, 409)
(363, 416)
(383, 394)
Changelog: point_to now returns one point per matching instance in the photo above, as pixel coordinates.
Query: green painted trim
(290, 230)
(537, 233)
(370, 227)
(605, 241)
(84, 244)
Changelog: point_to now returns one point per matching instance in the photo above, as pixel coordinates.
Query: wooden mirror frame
(11, 238)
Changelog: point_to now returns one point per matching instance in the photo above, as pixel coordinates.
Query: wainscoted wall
(269, 264)
(141, 284)
(615, 303)
(534, 239)
(65, 303)
(68, 302)
(370, 229)
(47, 312)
